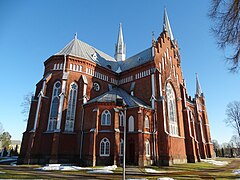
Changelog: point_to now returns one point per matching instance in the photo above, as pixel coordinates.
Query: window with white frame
(131, 124)
(146, 122)
(147, 148)
(106, 118)
(121, 118)
(72, 101)
(121, 147)
(52, 122)
(104, 147)
(71, 66)
(172, 113)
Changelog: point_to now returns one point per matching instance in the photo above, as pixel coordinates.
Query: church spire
(120, 49)
(166, 25)
(198, 87)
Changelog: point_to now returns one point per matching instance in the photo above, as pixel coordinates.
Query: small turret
(120, 49)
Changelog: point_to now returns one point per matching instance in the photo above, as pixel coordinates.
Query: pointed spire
(198, 87)
(166, 25)
(75, 35)
(120, 51)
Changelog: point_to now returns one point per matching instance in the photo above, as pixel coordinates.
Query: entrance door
(131, 153)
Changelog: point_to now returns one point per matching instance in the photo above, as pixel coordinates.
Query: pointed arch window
(104, 147)
(121, 118)
(147, 148)
(172, 114)
(146, 122)
(106, 118)
(131, 124)
(72, 101)
(121, 147)
(52, 122)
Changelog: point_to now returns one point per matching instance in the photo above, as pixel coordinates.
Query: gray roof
(83, 50)
(136, 60)
(115, 93)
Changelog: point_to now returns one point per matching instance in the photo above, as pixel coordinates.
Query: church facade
(86, 97)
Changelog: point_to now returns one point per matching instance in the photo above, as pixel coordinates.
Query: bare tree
(226, 28)
(26, 105)
(233, 116)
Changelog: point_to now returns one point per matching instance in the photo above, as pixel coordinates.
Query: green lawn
(201, 170)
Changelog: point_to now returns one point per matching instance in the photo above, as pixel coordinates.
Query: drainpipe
(81, 143)
(154, 125)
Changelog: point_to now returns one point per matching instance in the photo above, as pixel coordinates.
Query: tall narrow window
(147, 146)
(72, 101)
(106, 118)
(121, 147)
(104, 147)
(131, 124)
(146, 122)
(172, 114)
(52, 122)
(121, 118)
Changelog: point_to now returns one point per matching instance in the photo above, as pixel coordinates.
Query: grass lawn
(201, 170)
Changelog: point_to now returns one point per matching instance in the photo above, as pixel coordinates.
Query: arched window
(72, 101)
(106, 118)
(121, 147)
(131, 124)
(104, 147)
(71, 66)
(121, 118)
(52, 122)
(146, 122)
(80, 68)
(172, 114)
(147, 148)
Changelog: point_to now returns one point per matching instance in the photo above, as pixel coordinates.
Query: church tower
(120, 49)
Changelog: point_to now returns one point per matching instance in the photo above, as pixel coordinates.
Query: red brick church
(80, 105)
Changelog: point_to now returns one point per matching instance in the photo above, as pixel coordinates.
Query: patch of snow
(2, 172)
(165, 178)
(218, 163)
(236, 171)
(100, 171)
(113, 167)
(148, 170)
(60, 167)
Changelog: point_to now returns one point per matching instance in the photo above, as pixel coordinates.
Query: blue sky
(32, 31)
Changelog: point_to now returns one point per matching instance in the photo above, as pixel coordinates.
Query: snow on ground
(149, 170)
(100, 171)
(236, 171)
(60, 167)
(2, 172)
(218, 163)
(103, 170)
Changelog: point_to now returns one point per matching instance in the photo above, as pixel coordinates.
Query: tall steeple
(120, 49)
(166, 25)
(198, 87)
